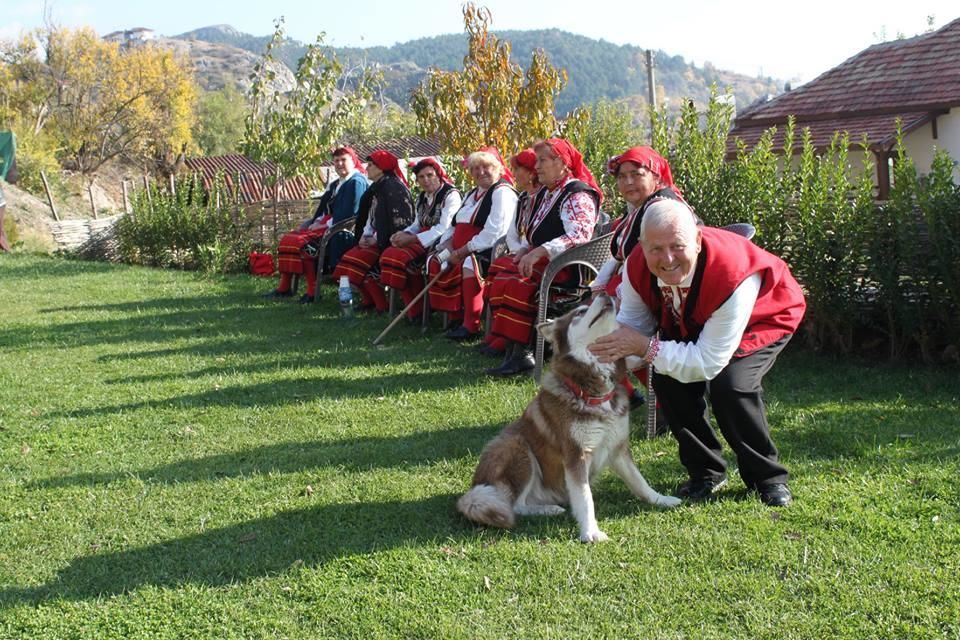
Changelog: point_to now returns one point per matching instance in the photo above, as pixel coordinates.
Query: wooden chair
(346, 224)
(498, 249)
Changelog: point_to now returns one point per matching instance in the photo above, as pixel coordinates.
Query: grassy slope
(180, 459)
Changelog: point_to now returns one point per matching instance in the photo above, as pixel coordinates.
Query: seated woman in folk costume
(401, 263)
(643, 178)
(339, 201)
(564, 215)
(389, 208)
(484, 217)
(524, 167)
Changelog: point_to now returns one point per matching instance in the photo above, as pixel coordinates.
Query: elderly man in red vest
(711, 311)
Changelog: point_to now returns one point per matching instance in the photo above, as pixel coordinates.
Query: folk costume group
(708, 309)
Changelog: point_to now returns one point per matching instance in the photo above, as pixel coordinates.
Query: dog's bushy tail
(488, 505)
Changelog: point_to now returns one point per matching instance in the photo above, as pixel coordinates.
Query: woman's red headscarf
(526, 159)
(573, 160)
(647, 158)
(430, 161)
(388, 163)
(348, 151)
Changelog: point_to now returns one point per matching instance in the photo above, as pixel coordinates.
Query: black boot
(508, 352)
(519, 359)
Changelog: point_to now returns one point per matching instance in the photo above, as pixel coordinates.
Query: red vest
(725, 261)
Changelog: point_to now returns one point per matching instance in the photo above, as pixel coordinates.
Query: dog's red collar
(576, 390)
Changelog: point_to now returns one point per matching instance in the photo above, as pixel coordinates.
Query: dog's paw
(593, 536)
(668, 502)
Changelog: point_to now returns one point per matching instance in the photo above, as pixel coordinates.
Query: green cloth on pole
(8, 148)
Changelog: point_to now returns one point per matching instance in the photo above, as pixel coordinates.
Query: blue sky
(787, 40)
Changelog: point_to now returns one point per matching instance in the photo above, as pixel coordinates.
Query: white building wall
(920, 145)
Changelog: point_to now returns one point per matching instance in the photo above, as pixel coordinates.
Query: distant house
(915, 81)
(253, 177)
(131, 37)
(250, 177)
(409, 148)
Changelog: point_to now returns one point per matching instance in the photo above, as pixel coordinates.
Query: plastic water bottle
(346, 297)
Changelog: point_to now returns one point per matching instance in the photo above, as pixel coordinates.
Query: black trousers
(736, 396)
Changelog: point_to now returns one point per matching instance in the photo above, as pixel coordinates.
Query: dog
(576, 426)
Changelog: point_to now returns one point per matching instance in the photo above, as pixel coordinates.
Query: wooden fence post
(126, 201)
(146, 185)
(46, 187)
(173, 186)
(93, 205)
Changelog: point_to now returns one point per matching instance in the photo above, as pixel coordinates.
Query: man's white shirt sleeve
(705, 358)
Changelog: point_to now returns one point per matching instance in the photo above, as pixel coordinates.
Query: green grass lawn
(179, 459)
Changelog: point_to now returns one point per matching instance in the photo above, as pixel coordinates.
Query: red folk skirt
(290, 253)
(356, 263)
(398, 263)
(446, 295)
(513, 298)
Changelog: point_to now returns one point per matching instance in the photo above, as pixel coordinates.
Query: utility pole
(651, 89)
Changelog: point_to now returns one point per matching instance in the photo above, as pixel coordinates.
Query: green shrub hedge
(878, 275)
(190, 229)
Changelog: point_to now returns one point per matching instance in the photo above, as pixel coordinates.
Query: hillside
(216, 64)
(596, 68)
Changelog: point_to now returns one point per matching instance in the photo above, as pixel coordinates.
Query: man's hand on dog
(621, 343)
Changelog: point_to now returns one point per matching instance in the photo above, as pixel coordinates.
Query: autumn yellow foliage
(98, 100)
(491, 101)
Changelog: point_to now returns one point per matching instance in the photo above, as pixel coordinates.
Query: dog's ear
(548, 330)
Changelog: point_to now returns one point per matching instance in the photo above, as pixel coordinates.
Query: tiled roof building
(253, 176)
(914, 80)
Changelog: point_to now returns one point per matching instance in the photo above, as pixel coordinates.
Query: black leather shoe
(521, 362)
(461, 334)
(636, 399)
(276, 295)
(775, 495)
(305, 299)
(701, 489)
(486, 350)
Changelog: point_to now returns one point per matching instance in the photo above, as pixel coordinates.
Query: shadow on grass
(352, 454)
(307, 537)
(915, 433)
(30, 268)
(447, 373)
(262, 325)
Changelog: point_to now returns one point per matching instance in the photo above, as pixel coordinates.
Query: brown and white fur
(549, 456)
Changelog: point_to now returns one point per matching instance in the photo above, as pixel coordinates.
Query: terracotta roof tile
(878, 131)
(253, 187)
(405, 147)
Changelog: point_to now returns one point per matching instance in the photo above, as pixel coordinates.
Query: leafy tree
(600, 131)
(220, 121)
(96, 100)
(297, 131)
(490, 101)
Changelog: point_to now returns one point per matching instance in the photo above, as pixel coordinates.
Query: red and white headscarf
(349, 151)
(649, 159)
(430, 161)
(388, 163)
(573, 160)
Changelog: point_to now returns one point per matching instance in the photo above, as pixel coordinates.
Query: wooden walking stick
(407, 308)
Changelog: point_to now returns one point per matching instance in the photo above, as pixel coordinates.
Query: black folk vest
(627, 235)
(552, 224)
(429, 216)
(480, 216)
